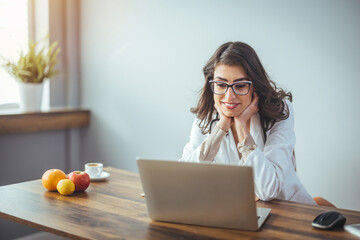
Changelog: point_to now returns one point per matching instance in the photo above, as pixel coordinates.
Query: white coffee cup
(94, 169)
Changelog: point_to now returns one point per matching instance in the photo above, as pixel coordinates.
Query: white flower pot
(30, 96)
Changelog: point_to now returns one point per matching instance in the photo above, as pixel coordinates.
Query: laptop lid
(199, 193)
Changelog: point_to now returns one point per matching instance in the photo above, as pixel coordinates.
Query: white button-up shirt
(273, 162)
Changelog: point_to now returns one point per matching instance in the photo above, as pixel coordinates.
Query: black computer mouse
(329, 220)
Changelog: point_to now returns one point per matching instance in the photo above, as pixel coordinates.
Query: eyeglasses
(239, 88)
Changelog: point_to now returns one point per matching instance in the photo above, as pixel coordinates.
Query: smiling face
(231, 104)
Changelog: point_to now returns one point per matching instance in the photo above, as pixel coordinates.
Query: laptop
(202, 194)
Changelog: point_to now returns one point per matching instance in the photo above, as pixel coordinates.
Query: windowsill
(15, 121)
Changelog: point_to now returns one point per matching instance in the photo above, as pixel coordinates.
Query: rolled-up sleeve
(246, 147)
(202, 147)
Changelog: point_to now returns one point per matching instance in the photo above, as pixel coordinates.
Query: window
(14, 37)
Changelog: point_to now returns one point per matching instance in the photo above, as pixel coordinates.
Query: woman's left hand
(240, 122)
(249, 111)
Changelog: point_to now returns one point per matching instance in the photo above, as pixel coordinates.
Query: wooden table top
(114, 209)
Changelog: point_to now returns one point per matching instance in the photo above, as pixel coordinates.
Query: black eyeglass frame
(230, 85)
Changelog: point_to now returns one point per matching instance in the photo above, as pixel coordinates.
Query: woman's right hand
(224, 122)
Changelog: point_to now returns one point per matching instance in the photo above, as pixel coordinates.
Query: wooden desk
(114, 209)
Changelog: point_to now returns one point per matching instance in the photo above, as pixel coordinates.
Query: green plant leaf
(34, 65)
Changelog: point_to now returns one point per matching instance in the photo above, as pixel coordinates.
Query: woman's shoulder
(196, 134)
(289, 111)
(287, 122)
(198, 123)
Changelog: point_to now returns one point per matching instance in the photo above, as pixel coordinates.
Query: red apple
(80, 179)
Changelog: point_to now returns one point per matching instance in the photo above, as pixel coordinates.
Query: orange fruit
(51, 178)
(65, 187)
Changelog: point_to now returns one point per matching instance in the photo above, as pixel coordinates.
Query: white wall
(141, 68)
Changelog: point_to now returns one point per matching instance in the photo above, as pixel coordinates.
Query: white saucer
(104, 176)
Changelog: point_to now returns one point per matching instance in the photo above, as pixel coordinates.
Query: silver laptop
(201, 194)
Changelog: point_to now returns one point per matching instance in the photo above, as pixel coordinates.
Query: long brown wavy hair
(271, 106)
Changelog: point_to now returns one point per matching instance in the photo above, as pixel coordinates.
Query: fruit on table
(81, 180)
(65, 187)
(51, 178)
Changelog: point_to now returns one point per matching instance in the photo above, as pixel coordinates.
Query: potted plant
(31, 70)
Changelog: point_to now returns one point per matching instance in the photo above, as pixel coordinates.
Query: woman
(243, 118)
